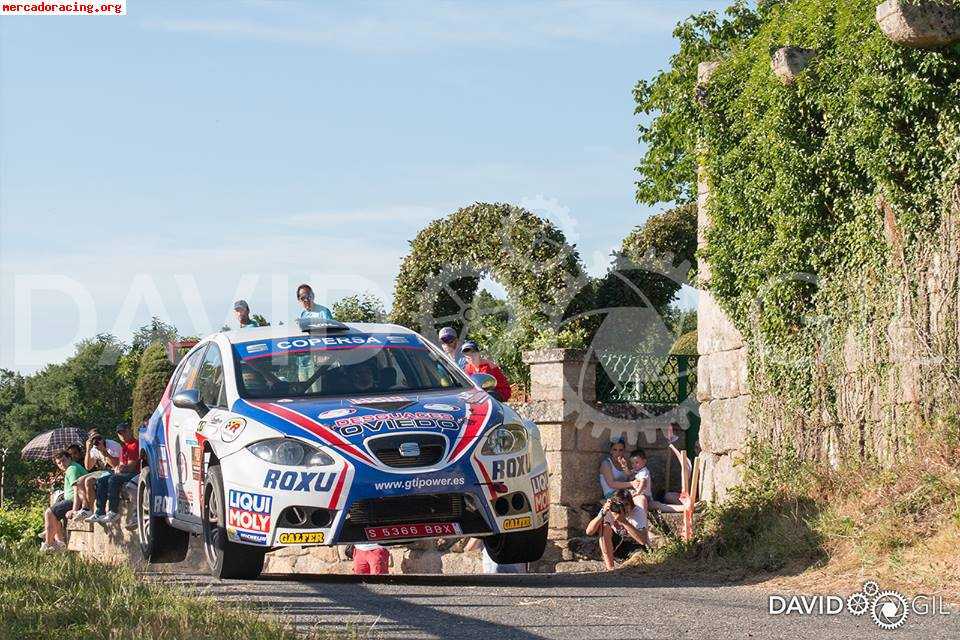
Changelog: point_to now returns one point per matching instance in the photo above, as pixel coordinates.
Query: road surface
(561, 606)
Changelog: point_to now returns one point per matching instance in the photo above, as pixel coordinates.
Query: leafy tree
(363, 308)
(148, 334)
(668, 169)
(155, 371)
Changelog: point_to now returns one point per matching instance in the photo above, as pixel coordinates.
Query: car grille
(387, 450)
(411, 509)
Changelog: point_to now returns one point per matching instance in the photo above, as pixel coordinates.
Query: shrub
(155, 372)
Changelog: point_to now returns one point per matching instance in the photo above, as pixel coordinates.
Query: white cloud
(385, 214)
(397, 27)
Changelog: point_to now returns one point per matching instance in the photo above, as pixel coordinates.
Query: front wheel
(226, 559)
(159, 542)
(511, 548)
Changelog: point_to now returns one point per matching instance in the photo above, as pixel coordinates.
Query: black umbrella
(46, 445)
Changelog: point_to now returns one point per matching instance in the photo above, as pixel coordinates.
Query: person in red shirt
(108, 487)
(477, 364)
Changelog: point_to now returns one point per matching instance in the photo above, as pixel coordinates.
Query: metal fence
(651, 379)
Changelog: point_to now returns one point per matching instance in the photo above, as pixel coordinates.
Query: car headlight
(287, 452)
(507, 438)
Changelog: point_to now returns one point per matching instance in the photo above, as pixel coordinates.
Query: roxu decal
(511, 467)
(298, 480)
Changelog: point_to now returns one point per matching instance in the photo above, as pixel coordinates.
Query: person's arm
(503, 385)
(631, 530)
(112, 460)
(88, 460)
(608, 476)
(594, 526)
(475, 544)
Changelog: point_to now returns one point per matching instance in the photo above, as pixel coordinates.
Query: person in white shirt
(101, 457)
(310, 308)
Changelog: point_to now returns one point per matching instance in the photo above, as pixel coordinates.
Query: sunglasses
(305, 297)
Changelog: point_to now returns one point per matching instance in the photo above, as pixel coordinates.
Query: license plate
(425, 530)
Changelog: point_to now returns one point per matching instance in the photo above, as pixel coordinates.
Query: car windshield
(344, 364)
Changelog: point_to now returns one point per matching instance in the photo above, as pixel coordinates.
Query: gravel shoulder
(557, 606)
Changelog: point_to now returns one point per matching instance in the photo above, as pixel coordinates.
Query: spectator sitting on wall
(370, 559)
(52, 529)
(450, 344)
(615, 472)
(109, 486)
(242, 310)
(101, 457)
(76, 453)
(477, 364)
(621, 518)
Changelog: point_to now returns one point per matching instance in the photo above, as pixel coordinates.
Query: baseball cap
(241, 304)
(447, 334)
(469, 345)
(122, 427)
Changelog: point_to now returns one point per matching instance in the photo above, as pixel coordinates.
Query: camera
(620, 501)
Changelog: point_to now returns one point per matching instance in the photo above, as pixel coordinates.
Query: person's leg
(606, 546)
(103, 486)
(89, 492)
(116, 483)
(381, 562)
(360, 564)
(49, 521)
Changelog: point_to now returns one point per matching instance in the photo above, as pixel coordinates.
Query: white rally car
(334, 434)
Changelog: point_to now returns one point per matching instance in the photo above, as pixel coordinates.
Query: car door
(210, 386)
(184, 421)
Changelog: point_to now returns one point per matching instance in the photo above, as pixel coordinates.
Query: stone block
(724, 424)
(558, 437)
(581, 566)
(715, 331)
(725, 374)
(920, 24)
(788, 63)
(462, 563)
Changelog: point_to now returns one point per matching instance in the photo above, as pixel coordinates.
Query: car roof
(288, 330)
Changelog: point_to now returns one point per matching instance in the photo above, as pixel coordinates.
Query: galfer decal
(512, 467)
(440, 407)
(337, 413)
(378, 399)
(298, 480)
(516, 523)
(312, 427)
(541, 493)
(233, 428)
(301, 537)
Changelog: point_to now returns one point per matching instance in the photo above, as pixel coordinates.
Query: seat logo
(409, 449)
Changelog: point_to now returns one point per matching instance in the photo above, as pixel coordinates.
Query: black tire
(159, 542)
(511, 548)
(226, 559)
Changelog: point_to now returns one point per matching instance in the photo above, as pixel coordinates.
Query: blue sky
(169, 161)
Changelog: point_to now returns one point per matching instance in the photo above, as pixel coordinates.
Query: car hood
(346, 423)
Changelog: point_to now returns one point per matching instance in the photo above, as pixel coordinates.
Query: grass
(65, 597)
(826, 530)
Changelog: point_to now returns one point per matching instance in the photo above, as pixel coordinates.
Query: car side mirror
(485, 381)
(190, 399)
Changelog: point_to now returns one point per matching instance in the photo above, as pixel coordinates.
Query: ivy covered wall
(832, 241)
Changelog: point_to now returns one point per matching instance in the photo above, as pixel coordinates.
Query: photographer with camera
(618, 516)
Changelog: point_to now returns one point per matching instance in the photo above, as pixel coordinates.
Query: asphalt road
(562, 606)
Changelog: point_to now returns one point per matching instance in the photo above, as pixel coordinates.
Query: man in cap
(450, 345)
(477, 364)
(242, 311)
(109, 486)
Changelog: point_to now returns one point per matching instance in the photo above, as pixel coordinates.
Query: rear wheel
(511, 548)
(159, 542)
(226, 559)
